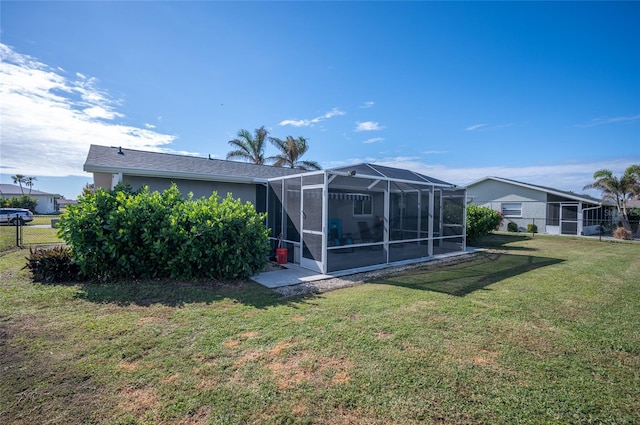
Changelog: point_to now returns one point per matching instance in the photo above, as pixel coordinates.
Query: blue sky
(545, 93)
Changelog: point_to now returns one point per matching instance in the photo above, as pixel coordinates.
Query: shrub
(19, 202)
(532, 228)
(512, 227)
(126, 234)
(622, 233)
(481, 221)
(52, 265)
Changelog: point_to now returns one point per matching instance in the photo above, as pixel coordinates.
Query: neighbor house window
(363, 206)
(512, 209)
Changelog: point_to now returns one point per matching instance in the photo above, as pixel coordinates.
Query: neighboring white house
(553, 211)
(46, 202)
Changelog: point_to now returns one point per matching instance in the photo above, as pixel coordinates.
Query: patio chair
(365, 232)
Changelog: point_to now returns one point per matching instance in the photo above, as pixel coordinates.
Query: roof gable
(14, 190)
(545, 189)
(135, 162)
(390, 173)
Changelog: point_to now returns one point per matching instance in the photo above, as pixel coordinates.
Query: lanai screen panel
(292, 213)
(404, 211)
(274, 208)
(451, 222)
(356, 221)
(355, 210)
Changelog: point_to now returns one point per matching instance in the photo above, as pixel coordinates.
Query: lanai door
(312, 228)
(569, 219)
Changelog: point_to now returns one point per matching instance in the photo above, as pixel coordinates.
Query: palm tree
(28, 181)
(19, 178)
(290, 152)
(249, 147)
(634, 174)
(618, 190)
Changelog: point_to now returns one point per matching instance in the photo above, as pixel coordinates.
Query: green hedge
(122, 234)
(481, 221)
(19, 202)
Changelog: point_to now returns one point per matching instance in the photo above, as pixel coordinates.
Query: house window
(363, 207)
(512, 209)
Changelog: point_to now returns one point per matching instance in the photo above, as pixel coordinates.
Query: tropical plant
(19, 179)
(481, 221)
(634, 175)
(249, 147)
(53, 265)
(28, 181)
(88, 189)
(20, 202)
(291, 150)
(619, 190)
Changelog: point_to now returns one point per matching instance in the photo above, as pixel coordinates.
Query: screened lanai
(364, 216)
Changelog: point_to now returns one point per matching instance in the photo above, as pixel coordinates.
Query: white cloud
(368, 104)
(335, 112)
(475, 127)
(571, 177)
(150, 126)
(49, 120)
(296, 123)
(373, 140)
(603, 121)
(434, 152)
(368, 126)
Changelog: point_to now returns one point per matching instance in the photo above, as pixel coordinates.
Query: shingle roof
(391, 173)
(546, 189)
(156, 164)
(14, 190)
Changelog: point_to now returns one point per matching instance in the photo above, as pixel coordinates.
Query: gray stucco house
(553, 211)
(353, 218)
(201, 176)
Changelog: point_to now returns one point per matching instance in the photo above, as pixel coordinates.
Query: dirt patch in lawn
(290, 367)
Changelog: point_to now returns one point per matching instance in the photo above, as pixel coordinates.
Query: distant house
(553, 211)
(47, 203)
(64, 203)
(351, 218)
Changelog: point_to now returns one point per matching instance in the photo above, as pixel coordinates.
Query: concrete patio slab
(291, 274)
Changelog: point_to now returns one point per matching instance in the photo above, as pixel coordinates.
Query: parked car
(15, 215)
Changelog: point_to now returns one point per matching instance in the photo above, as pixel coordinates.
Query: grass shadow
(503, 241)
(176, 293)
(463, 278)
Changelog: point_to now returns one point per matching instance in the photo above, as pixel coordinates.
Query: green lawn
(542, 330)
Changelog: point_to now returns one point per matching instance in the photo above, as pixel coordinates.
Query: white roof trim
(175, 175)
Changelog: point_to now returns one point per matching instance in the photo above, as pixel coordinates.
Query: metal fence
(42, 231)
(575, 227)
(39, 232)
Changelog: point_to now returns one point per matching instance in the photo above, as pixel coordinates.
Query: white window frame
(362, 213)
(510, 209)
